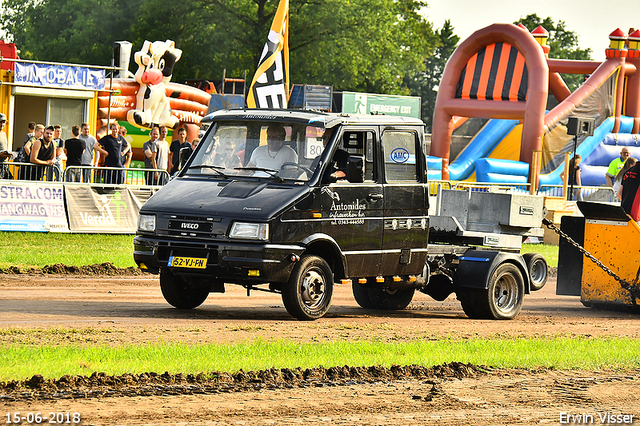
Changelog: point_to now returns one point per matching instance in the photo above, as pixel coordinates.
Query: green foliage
(20, 362)
(77, 31)
(359, 45)
(563, 44)
(30, 249)
(425, 83)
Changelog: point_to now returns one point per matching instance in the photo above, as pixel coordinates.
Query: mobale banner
(104, 210)
(32, 207)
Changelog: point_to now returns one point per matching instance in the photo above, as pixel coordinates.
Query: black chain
(632, 288)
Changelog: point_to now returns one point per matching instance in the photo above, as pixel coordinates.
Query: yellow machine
(613, 238)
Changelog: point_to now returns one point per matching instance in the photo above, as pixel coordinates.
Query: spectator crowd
(101, 158)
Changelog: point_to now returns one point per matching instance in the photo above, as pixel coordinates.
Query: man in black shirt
(176, 146)
(110, 148)
(628, 192)
(74, 148)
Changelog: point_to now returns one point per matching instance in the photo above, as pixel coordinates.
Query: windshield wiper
(214, 168)
(272, 173)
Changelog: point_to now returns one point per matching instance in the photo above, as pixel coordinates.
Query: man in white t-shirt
(162, 158)
(275, 153)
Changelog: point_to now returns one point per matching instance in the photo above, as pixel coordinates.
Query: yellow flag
(270, 85)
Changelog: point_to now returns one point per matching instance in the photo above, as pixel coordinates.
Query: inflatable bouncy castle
(150, 98)
(502, 92)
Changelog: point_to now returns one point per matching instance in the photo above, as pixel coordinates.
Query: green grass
(20, 362)
(33, 249)
(549, 252)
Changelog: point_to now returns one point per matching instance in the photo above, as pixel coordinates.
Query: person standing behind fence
(150, 149)
(60, 155)
(31, 133)
(74, 148)
(163, 155)
(174, 149)
(87, 156)
(24, 156)
(43, 153)
(127, 153)
(626, 166)
(110, 148)
(4, 153)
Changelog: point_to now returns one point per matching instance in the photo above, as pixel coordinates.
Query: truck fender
(326, 247)
(476, 266)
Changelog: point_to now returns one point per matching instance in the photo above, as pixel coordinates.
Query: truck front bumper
(230, 262)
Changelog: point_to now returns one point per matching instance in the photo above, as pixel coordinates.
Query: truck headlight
(147, 223)
(250, 231)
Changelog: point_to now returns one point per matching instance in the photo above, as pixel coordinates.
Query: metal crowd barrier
(604, 194)
(84, 174)
(493, 187)
(116, 176)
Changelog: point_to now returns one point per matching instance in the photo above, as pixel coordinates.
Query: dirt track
(131, 309)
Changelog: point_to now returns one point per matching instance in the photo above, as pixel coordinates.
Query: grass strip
(20, 362)
(34, 249)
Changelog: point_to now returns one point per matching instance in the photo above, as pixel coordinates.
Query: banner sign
(68, 77)
(104, 210)
(367, 103)
(32, 207)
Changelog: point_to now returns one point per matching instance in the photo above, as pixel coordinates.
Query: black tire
(390, 299)
(179, 293)
(468, 299)
(538, 270)
(502, 300)
(361, 294)
(307, 294)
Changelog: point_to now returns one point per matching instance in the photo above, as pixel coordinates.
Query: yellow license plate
(187, 262)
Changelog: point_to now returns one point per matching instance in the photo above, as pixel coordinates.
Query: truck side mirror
(355, 169)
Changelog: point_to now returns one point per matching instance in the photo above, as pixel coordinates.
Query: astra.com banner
(32, 207)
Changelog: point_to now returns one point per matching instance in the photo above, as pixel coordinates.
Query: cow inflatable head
(155, 67)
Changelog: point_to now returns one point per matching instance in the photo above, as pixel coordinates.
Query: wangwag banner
(32, 207)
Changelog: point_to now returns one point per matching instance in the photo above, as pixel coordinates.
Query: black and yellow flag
(270, 85)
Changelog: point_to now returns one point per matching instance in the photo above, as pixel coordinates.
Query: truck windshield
(288, 151)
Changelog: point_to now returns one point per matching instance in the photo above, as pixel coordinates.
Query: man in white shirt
(275, 153)
(162, 158)
(87, 155)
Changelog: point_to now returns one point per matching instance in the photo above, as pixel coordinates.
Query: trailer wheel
(538, 270)
(502, 300)
(361, 294)
(307, 294)
(390, 299)
(179, 293)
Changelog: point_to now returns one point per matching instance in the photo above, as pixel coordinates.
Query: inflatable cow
(155, 66)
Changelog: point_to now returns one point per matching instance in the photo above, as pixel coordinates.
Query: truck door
(406, 221)
(353, 211)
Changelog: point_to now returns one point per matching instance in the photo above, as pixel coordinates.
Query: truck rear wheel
(390, 299)
(502, 300)
(538, 270)
(307, 294)
(179, 293)
(361, 294)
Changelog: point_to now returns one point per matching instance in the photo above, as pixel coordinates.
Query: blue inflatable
(501, 171)
(482, 144)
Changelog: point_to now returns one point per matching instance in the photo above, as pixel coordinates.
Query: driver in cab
(275, 153)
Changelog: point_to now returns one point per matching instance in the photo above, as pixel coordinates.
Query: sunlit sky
(591, 20)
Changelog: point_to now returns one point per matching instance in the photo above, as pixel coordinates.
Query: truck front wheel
(307, 294)
(179, 293)
(503, 298)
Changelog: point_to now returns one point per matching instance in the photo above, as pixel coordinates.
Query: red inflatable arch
(498, 72)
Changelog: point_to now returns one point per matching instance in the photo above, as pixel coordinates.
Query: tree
(563, 44)
(425, 83)
(360, 45)
(78, 31)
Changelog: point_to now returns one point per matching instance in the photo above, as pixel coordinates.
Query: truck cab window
(400, 156)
